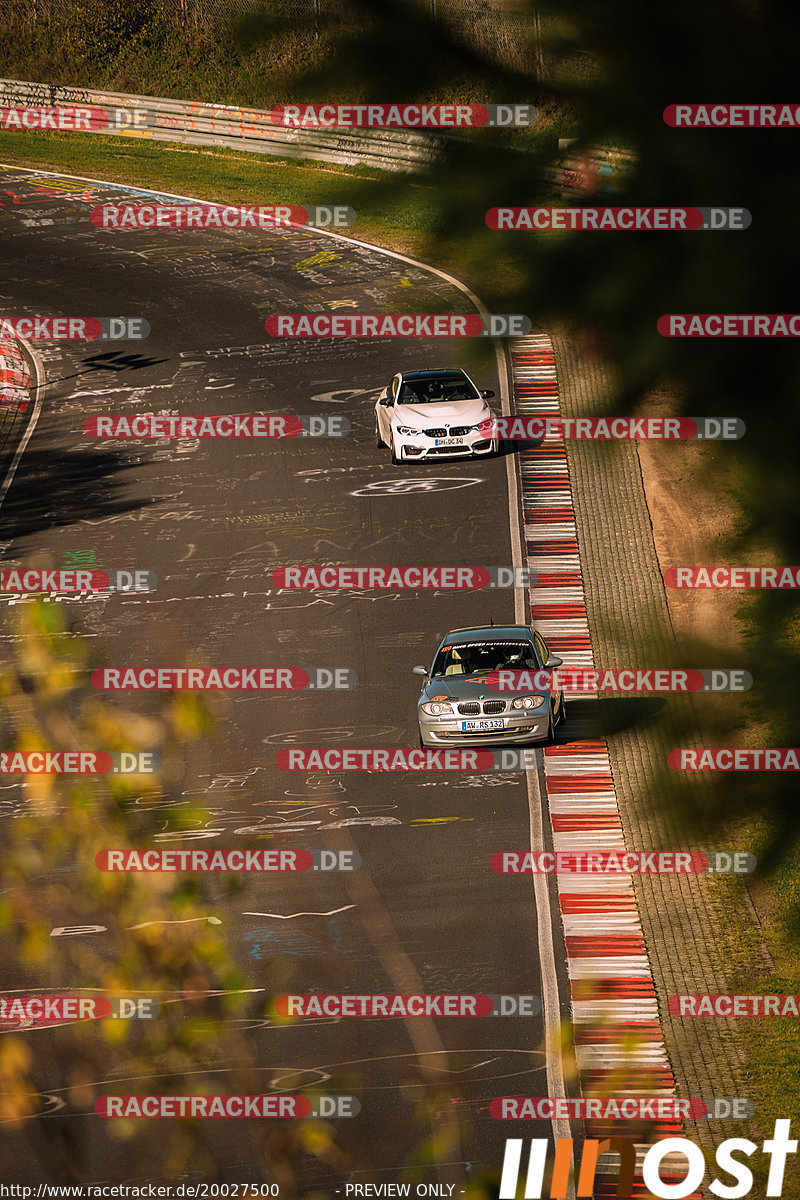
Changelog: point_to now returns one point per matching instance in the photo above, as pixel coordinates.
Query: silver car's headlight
(405, 430)
(528, 702)
(437, 708)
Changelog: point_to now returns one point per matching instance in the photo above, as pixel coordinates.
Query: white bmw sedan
(431, 414)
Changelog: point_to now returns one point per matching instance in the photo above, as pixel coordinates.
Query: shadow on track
(61, 487)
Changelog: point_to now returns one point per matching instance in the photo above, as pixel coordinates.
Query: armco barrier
(594, 170)
(239, 128)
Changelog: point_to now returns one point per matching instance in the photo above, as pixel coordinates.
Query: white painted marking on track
(26, 437)
(188, 921)
(291, 916)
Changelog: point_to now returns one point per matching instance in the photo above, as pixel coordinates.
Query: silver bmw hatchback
(462, 704)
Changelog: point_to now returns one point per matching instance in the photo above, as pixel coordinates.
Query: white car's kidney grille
(456, 431)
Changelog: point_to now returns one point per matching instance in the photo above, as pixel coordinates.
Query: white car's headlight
(485, 426)
(528, 702)
(406, 430)
(437, 708)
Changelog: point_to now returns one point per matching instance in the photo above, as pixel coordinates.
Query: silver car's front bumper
(518, 729)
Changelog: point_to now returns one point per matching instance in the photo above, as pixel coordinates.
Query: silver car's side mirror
(554, 661)
(419, 670)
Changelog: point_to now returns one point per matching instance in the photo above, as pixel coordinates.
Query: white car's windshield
(439, 389)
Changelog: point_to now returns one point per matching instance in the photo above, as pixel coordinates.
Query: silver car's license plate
(480, 726)
(449, 442)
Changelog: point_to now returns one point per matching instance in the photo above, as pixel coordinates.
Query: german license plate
(449, 442)
(480, 726)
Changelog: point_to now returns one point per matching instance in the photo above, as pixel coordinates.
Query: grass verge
(237, 177)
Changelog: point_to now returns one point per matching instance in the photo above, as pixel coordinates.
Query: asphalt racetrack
(212, 518)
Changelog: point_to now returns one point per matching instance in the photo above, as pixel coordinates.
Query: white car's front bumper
(421, 445)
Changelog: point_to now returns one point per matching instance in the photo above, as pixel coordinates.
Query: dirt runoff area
(693, 515)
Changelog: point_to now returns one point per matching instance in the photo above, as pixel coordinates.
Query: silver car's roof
(489, 633)
(434, 373)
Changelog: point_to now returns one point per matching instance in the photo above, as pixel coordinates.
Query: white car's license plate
(449, 442)
(481, 726)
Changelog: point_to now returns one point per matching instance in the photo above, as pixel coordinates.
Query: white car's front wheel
(395, 459)
(379, 442)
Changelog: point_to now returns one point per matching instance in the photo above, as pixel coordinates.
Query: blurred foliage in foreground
(159, 937)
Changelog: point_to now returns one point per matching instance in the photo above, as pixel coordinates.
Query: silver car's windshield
(440, 389)
(475, 658)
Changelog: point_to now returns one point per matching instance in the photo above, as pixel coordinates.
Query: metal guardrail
(237, 128)
(592, 171)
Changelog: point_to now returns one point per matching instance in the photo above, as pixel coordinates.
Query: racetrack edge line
(33, 421)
